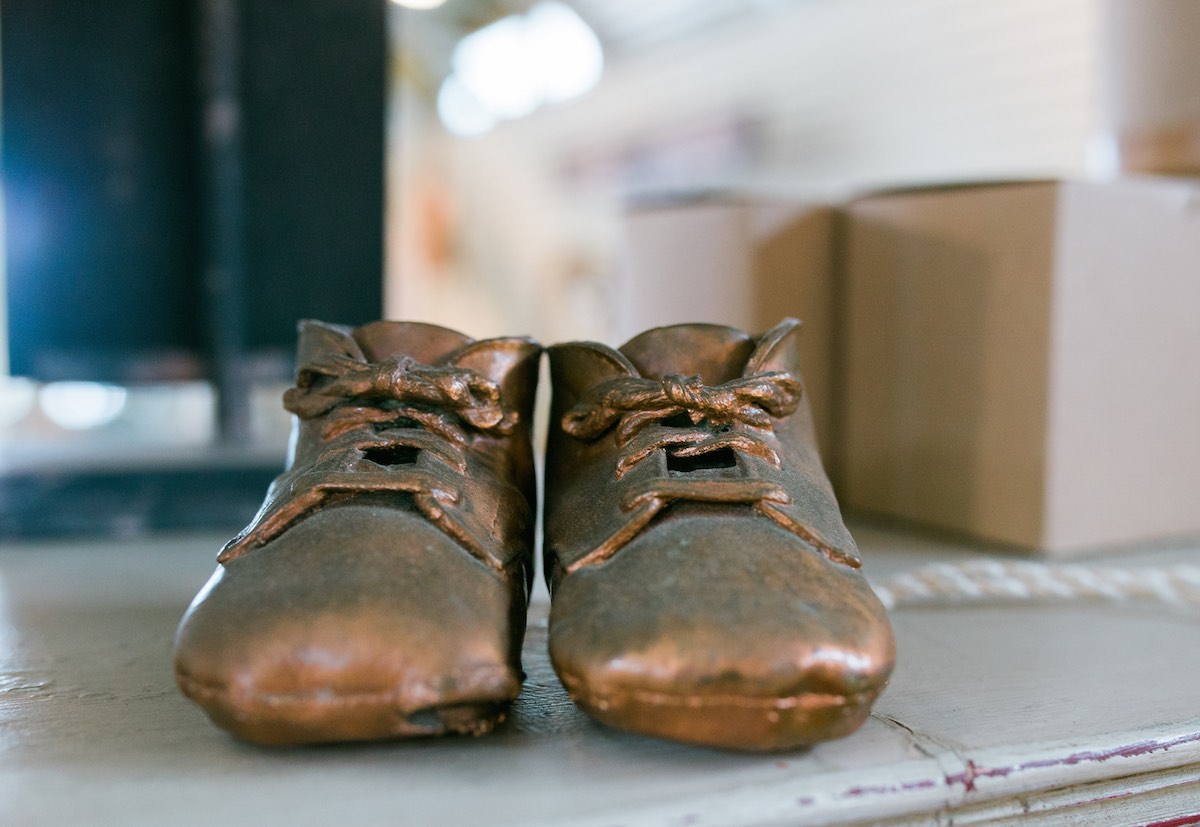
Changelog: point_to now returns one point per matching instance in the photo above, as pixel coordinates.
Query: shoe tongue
(426, 343)
(715, 353)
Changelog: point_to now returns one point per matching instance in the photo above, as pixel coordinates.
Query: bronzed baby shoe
(704, 586)
(381, 590)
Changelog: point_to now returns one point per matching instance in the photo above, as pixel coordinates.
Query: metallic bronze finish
(705, 588)
(381, 590)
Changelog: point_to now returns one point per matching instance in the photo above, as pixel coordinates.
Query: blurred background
(184, 180)
(507, 213)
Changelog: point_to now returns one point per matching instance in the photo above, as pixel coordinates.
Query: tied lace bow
(634, 402)
(394, 389)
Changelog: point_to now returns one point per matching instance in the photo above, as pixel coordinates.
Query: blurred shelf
(129, 490)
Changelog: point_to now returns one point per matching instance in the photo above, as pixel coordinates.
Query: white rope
(1004, 581)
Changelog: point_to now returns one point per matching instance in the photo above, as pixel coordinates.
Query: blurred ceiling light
(419, 4)
(460, 111)
(78, 406)
(568, 50)
(508, 69)
(499, 65)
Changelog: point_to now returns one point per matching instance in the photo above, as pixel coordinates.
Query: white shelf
(995, 713)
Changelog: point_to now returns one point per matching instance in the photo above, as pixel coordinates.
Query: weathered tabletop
(1074, 713)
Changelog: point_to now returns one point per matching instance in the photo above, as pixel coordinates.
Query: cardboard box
(743, 262)
(1022, 361)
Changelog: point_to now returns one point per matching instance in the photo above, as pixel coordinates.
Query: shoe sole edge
(326, 716)
(740, 722)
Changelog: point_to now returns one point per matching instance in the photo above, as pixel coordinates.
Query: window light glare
(17, 397)
(78, 406)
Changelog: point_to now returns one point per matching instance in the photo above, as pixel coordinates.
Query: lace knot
(403, 386)
(634, 402)
(686, 392)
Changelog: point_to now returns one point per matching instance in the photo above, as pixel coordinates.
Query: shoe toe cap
(353, 624)
(725, 614)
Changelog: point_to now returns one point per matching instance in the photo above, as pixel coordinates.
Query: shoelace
(630, 403)
(375, 406)
(365, 394)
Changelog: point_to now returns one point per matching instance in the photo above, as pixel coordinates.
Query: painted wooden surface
(1076, 713)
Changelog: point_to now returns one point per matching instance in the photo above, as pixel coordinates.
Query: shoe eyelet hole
(389, 455)
(719, 458)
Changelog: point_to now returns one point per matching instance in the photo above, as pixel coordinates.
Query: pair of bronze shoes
(704, 588)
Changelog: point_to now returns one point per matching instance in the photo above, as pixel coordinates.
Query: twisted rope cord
(1010, 581)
